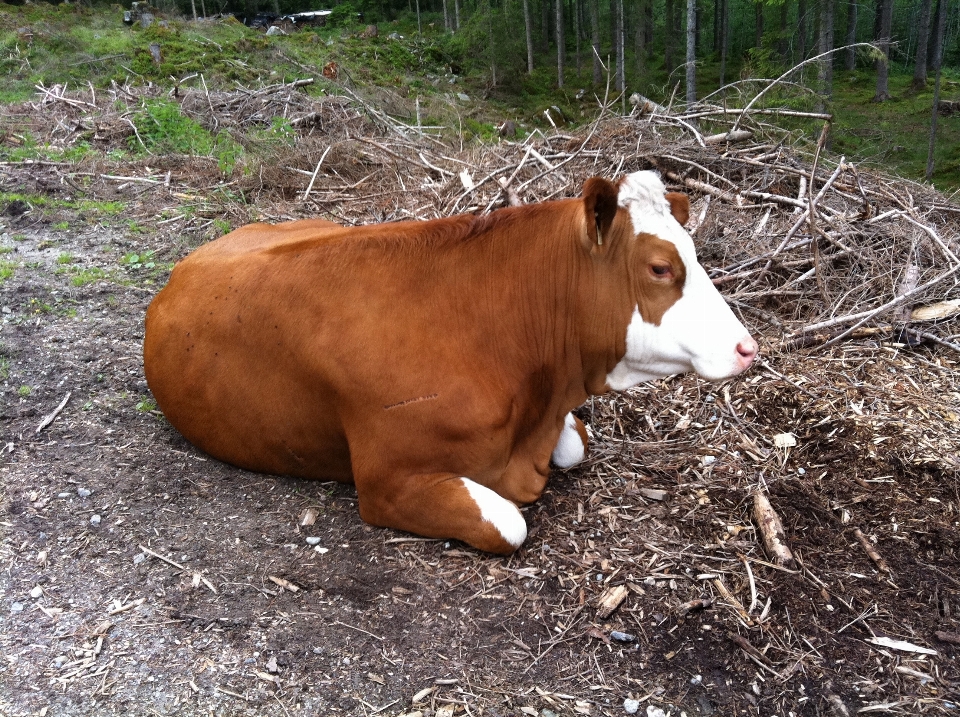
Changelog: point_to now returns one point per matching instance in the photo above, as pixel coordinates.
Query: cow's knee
(572, 446)
(444, 506)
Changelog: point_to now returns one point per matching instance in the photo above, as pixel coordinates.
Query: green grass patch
(6, 269)
(4, 368)
(86, 275)
(24, 391)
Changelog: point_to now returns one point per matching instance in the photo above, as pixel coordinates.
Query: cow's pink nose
(747, 349)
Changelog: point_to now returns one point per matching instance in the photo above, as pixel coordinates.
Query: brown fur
(403, 356)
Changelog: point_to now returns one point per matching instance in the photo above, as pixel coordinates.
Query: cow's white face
(680, 322)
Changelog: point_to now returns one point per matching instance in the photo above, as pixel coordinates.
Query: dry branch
(774, 538)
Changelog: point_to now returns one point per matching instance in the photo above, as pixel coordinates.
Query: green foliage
(139, 261)
(4, 368)
(24, 391)
(87, 275)
(65, 259)
(6, 269)
(343, 15)
(147, 405)
(164, 129)
(222, 226)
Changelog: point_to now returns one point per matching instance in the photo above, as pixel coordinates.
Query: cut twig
(871, 551)
(52, 416)
(774, 538)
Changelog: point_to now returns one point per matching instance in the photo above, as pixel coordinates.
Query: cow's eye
(661, 271)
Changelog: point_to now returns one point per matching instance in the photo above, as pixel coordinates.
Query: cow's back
(218, 357)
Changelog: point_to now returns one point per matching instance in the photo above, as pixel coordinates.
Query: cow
(435, 364)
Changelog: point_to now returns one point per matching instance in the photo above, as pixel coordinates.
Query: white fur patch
(499, 512)
(569, 450)
(699, 332)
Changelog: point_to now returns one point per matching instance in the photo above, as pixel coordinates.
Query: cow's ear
(679, 206)
(600, 208)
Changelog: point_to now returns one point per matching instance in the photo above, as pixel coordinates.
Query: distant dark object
(263, 20)
(155, 53)
(370, 31)
(508, 129)
(140, 12)
(16, 208)
(946, 107)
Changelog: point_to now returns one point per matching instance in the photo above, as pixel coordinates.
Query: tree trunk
(937, 40)
(850, 62)
(529, 34)
(758, 14)
(937, 64)
(716, 25)
(456, 14)
(577, 31)
(783, 46)
(640, 38)
(621, 71)
(193, 6)
(691, 51)
(802, 28)
(825, 68)
(920, 65)
(883, 41)
(724, 38)
(595, 40)
(419, 25)
(669, 58)
(561, 46)
(446, 17)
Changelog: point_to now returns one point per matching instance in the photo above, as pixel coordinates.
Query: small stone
(322, 550)
(622, 636)
(272, 665)
(708, 460)
(631, 706)
(801, 471)
(547, 713)
(463, 97)
(139, 558)
(63, 495)
(36, 592)
(250, 661)
(95, 520)
(16, 607)
(83, 492)
(61, 661)
(653, 711)
(312, 540)
(317, 651)
(696, 680)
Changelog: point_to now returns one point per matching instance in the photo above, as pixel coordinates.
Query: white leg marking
(569, 450)
(499, 512)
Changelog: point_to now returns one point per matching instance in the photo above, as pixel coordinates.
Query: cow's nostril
(748, 349)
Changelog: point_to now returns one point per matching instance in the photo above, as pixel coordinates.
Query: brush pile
(645, 575)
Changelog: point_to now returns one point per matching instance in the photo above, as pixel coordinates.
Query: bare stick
(871, 551)
(52, 416)
(765, 90)
(774, 538)
(864, 316)
(315, 172)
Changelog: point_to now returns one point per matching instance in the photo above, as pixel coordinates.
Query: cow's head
(680, 322)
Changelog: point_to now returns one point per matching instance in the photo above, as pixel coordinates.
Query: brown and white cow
(435, 364)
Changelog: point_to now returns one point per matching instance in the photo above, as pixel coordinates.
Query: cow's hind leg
(572, 446)
(444, 506)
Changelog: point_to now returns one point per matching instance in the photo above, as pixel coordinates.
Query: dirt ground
(140, 576)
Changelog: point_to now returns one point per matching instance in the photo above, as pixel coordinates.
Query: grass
(24, 391)
(6, 269)
(75, 45)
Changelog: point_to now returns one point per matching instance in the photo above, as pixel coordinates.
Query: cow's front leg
(572, 446)
(442, 505)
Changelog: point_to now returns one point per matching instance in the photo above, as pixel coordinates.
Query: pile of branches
(813, 248)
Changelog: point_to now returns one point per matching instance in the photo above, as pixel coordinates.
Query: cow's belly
(222, 378)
